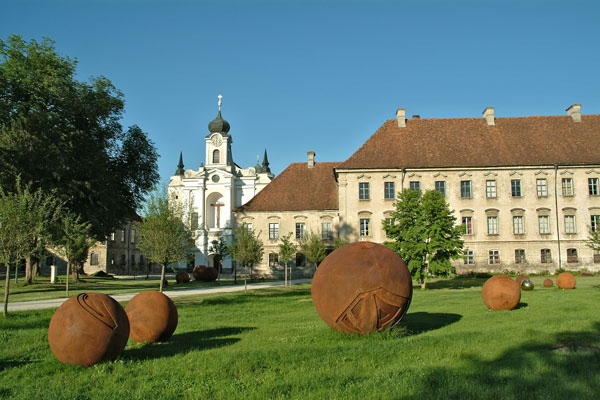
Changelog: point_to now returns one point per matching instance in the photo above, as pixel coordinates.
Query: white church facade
(217, 187)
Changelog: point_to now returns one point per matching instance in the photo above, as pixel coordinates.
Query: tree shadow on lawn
(458, 282)
(420, 322)
(241, 297)
(565, 367)
(186, 342)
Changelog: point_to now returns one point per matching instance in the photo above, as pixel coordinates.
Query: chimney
(311, 159)
(401, 117)
(416, 116)
(488, 114)
(574, 112)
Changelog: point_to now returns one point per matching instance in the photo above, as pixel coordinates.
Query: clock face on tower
(216, 140)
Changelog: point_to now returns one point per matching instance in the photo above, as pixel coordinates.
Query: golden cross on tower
(220, 102)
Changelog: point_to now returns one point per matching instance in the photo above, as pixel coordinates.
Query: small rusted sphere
(182, 277)
(527, 285)
(361, 287)
(548, 282)
(204, 273)
(519, 279)
(566, 280)
(87, 329)
(152, 316)
(500, 292)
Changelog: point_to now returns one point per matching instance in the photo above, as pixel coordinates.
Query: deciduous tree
(287, 249)
(313, 247)
(246, 248)
(25, 216)
(165, 233)
(64, 135)
(424, 233)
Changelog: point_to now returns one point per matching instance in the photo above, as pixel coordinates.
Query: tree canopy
(424, 233)
(61, 134)
(313, 248)
(246, 248)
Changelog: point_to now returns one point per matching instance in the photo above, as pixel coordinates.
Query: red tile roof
(298, 188)
(470, 142)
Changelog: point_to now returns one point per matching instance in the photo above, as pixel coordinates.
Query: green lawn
(271, 343)
(43, 289)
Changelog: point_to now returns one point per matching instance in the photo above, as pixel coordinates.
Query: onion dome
(219, 125)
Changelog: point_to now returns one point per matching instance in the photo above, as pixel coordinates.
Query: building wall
(287, 221)
(529, 206)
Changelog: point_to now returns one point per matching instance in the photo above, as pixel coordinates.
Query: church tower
(218, 142)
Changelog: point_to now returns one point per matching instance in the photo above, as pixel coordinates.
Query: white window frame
(273, 230)
(467, 221)
(364, 225)
(363, 191)
(541, 185)
(389, 190)
(567, 187)
(300, 230)
(490, 189)
(518, 225)
(570, 224)
(544, 224)
(492, 225)
(469, 257)
(494, 257)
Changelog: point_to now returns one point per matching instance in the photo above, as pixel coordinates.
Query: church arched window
(216, 157)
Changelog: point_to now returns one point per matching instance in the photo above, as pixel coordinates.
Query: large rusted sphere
(527, 285)
(548, 282)
(87, 329)
(566, 280)
(182, 277)
(152, 316)
(361, 287)
(500, 292)
(204, 273)
(519, 279)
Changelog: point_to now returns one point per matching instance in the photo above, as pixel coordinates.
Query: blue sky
(319, 75)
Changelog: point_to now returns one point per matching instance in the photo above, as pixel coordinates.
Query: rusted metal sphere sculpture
(527, 285)
(361, 287)
(519, 279)
(182, 277)
(500, 292)
(204, 273)
(87, 329)
(548, 282)
(152, 316)
(566, 280)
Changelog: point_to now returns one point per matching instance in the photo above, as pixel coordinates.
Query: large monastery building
(526, 188)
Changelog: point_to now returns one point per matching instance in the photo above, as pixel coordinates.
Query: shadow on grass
(419, 322)
(5, 364)
(457, 283)
(242, 298)
(521, 305)
(186, 342)
(558, 374)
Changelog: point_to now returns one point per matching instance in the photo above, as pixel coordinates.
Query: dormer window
(216, 157)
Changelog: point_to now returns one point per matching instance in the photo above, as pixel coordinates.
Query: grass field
(43, 289)
(271, 343)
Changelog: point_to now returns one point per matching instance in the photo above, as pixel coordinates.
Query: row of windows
(274, 259)
(518, 223)
(300, 232)
(121, 234)
(466, 188)
(123, 258)
(545, 256)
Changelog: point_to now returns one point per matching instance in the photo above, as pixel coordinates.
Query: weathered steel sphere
(500, 292)
(566, 280)
(527, 285)
(87, 329)
(519, 279)
(548, 282)
(182, 277)
(361, 287)
(152, 316)
(204, 273)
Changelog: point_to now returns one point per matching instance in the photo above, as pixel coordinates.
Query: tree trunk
(162, 277)
(28, 270)
(285, 275)
(424, 280)
(75, 273)
(67, 279)
(17, 271)
(290, 277)
(35, 267)
(6, 286)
